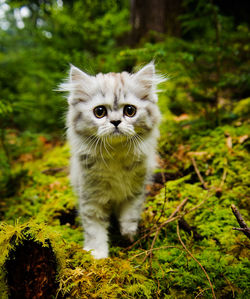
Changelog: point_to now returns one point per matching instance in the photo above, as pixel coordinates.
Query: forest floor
(185, 248)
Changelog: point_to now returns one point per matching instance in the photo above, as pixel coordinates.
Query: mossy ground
(42, 208)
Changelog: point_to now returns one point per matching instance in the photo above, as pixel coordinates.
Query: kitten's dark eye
(129, 110)
(100, 111)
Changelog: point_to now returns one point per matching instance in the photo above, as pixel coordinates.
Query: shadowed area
(31, 271)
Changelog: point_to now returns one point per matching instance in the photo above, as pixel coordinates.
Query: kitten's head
(113, 105)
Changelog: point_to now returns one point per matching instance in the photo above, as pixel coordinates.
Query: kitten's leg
(95, 223)
(129, 216)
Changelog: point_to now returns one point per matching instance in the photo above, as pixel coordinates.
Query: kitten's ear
(76, 75)
(143, 82)
(145, 76)
(79, 85)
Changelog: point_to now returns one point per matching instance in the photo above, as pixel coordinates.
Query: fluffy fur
(112, 157)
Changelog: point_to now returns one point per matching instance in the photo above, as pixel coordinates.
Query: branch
(243, 226)
(172, 216)
(151, 232)
(190, 229)
(154, 249)
(184, 246)
(198, 173)
(201, 292)
(163, 206)
(54, 171)
(179, 208)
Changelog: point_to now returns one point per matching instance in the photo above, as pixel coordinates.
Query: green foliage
(221, 156)
(45, 196)
(35, 59)
(243, 108)
(209, 67)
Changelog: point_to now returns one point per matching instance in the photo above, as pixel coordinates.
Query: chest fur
(113, 179)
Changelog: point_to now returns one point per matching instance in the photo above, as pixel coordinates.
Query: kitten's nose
(115, 122)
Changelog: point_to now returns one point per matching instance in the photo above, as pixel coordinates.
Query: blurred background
(206, 43)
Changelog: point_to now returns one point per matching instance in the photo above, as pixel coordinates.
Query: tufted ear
(145, 76)
(79, 85)
(76, 75)
(144, 81)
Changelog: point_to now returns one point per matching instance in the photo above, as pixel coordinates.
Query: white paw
(129, 231)
(97, 253)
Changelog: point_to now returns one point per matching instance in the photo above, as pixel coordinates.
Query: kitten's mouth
(117, 135)
(117, 132)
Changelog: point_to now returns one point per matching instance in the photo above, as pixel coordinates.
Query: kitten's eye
(129, 110)
(100, 111)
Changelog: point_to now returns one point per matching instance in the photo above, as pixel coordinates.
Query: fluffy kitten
(112, 130)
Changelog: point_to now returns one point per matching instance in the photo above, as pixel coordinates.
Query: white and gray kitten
(112, 130)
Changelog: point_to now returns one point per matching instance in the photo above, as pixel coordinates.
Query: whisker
(104, 144)
(141, 144)
(100, 149)
(129, 142)
(92, 145)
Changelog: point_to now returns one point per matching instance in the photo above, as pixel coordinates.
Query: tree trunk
(158, 15)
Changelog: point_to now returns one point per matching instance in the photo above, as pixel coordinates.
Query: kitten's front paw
(130, 237)
(97, 253)
(129, 231)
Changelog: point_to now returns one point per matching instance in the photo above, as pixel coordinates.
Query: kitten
(112, 130)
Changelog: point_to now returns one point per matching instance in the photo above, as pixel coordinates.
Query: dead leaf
(55, 185)
(181, 117)
(26, 157)
(42, 139)
(229, 142)
(243, 138)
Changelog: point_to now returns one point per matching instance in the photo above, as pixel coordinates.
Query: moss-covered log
(31, 271)
(33, 265)
(29, 263)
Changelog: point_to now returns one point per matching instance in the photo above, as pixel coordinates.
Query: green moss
(45, 207)
(13, 237)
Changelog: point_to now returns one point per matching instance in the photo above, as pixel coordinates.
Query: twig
(243, 226)
(179, 207)
(190, 229)
(177, 210)
(198, 173)
(172, 216)
(229, 283)
(53, 171)
(182, 204)
(153, 249)
(151, 232)
(163, 207)
(201, 292)
(184, 246)
(201, 203)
